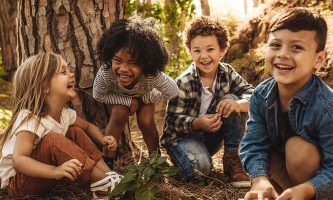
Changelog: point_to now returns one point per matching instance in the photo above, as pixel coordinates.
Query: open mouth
(284, 67)
(206, 63)
(70, 86)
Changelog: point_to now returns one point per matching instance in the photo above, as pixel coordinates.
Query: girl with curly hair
(131, 78)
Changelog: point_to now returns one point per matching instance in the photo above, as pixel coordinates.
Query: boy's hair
(139, 39)
(205, 26)
(29, 80)
(300, 18)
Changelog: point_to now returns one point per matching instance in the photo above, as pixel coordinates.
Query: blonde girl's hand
(226, 107)
(70, 169)
(110, 142)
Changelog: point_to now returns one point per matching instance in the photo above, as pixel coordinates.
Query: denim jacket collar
(270, 93)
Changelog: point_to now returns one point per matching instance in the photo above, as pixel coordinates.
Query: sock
(109, 162)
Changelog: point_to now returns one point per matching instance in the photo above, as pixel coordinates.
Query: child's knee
(302, 148)
(119, 113)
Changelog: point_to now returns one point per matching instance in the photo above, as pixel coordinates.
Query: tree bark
(205, 9)
(72, 29)
(8, 12)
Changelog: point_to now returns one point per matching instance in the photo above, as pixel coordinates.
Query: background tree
(205, 9)
(8, 10)
(72, 29)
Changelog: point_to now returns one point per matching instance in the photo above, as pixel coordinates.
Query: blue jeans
(194, 151)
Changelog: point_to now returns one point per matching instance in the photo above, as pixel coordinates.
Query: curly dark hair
(205, 26)
(140, 39)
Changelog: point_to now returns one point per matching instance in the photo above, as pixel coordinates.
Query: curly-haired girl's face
(126, 69)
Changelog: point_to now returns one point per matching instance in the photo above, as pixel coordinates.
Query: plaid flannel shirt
(186, 106)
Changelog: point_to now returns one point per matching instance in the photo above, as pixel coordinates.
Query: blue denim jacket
(311, 117)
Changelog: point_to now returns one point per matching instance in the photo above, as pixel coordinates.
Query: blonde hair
(31, 77)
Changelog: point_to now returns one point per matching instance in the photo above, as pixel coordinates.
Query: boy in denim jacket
(288, 150)
(210, 109)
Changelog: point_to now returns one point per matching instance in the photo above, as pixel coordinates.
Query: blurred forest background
(71, 28)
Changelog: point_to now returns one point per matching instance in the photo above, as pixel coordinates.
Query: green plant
(135, 183)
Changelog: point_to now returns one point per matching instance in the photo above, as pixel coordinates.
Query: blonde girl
(45, 140)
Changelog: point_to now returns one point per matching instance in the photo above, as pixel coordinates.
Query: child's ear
(46, 89)
(223, 52)
(321, 59)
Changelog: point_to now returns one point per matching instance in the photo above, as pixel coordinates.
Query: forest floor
(215, 186)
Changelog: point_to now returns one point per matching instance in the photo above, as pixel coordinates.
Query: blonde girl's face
(125, 69)
(61, 88)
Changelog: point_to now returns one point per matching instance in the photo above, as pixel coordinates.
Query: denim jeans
(194, 151)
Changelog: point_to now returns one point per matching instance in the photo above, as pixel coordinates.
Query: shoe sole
(241, 184)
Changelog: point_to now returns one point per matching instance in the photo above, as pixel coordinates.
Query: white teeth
(284, 66)
(205, 63)
(125, 76)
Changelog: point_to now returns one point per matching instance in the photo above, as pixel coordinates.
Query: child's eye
(116, 60)
(274, 45)
(196, 51)
(211, 49)
(297, 47)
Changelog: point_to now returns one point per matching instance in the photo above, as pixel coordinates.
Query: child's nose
(283, 53)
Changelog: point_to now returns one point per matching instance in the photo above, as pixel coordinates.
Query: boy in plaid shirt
(210, 109)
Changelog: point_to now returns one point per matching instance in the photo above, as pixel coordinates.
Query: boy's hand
(208, 122)
(70, 169)
(302, 191)
(110, 142)
(261, 188)
(227, 106)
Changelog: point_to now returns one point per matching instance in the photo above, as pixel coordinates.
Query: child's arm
(165, 89)
(23, 163)
(96, 134)
(103, 93)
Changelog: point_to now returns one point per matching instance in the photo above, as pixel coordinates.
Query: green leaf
(171, 171)
(143, 193)
(127, 186)
(129, 176)
(148, 172)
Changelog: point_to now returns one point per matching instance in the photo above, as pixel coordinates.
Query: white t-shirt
(47, 125)
(207, 95)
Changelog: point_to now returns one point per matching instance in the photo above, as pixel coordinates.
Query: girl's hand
(110, 142)
(226, 107)
(70, 169)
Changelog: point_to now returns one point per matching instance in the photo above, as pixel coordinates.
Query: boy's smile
(206, 54)
(291, 57)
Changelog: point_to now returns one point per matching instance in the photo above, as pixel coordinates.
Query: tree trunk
(205, 7)
(72, 29)
(8, 12)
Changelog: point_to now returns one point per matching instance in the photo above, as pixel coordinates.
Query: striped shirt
(182, 110)
(152, 89)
